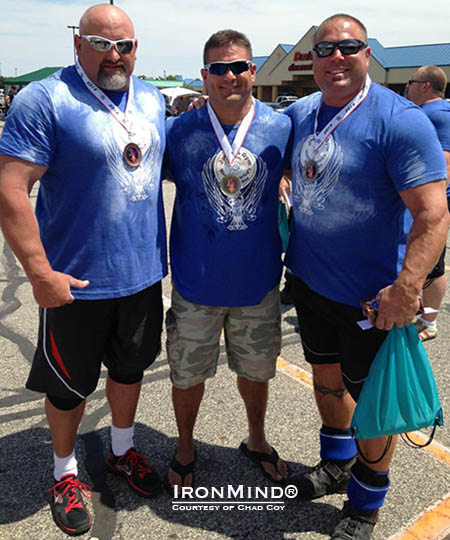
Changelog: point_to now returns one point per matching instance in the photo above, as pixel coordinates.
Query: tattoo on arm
(338, 393)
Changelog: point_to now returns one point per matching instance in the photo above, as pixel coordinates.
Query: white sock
(65, 465)
(121, 439)
(428, 324)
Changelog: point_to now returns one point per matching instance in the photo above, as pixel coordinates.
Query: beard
(113, 81)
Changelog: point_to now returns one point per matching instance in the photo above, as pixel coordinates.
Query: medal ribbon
(340, 116)
(231, 151)
(124, 119)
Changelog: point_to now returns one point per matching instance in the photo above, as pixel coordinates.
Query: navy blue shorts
(330, 335)
(75, 339)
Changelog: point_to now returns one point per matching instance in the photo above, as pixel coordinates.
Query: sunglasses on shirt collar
(236, 66)
(346, 47)
(103, 45)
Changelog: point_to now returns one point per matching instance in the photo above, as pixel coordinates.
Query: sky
(171, 33)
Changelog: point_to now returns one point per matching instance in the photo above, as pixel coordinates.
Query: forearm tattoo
(338, 393)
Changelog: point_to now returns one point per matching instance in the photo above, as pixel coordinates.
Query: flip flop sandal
(182, 471)
(259, 458)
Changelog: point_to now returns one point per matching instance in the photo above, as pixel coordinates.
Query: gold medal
(241, 171)
(310, 170)
(132, 155)
(230, 185)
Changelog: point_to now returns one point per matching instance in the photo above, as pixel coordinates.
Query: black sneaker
(325, 478)
(356, 524)
(136, 469)
(67, 505)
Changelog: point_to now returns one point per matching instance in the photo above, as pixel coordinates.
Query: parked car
(282, 99)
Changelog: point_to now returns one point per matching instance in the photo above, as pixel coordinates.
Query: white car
(283, 99)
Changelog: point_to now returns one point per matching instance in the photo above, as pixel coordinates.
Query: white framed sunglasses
(103, 45)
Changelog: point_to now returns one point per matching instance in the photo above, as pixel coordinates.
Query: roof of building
(437, 54)
(164, 84)
(33, 76)
(195, 83)
(286, 48)
(259, 61)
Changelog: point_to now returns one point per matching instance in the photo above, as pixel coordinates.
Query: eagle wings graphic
(235, 211)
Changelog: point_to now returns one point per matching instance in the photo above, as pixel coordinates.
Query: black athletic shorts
(439, 269)
(330, 335)
(75, 339)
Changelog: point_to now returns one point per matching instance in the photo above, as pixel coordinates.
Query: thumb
(78, 283)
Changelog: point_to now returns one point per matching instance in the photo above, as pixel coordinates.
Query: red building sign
(301, 57)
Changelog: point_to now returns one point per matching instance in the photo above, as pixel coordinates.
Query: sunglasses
(413, 81)
(220, 68)
(103, 45)
(346, 47)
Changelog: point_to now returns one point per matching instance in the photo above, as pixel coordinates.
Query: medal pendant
(132, 155)
(310, 171)
(230, 185)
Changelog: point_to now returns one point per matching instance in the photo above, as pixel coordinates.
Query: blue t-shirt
(99, 219)
(225, 247)
(347, 236)
(439, 113)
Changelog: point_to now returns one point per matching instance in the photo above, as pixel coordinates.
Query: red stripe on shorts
(57, 356)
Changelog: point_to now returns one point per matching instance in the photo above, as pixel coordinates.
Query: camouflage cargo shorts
(252, 339)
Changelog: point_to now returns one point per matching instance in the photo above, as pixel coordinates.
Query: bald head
(436, 77)
(341, 18)
(427, 84)
(105, 15)
(108, 69)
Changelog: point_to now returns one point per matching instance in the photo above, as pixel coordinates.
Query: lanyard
(340, 116)
(231, 151)
(125, 119)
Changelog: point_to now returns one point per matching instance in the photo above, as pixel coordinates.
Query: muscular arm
(427, 203)
(21, 231)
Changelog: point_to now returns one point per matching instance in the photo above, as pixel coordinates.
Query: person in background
(426, 89)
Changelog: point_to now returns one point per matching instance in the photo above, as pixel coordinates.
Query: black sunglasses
(220, 68)
(413, 81)
(346, 46)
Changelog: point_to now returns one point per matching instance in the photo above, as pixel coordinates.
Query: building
(288, 69)
(23, 80)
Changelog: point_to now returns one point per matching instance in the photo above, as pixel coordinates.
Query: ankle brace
(336, 445)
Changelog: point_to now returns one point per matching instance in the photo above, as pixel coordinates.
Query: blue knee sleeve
(337, 447)
(365, 497)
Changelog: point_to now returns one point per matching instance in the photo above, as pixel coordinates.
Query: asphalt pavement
(417, 506)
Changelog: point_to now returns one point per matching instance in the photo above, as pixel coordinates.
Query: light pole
(73, 40)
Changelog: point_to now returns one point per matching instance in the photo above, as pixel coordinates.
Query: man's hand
(397, 305)
(285, 189)
(197, 103)
(54, 290)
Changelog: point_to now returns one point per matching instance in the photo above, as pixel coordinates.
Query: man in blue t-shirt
(426, 88)
(357, 166)
(226, 160)
(95, 252)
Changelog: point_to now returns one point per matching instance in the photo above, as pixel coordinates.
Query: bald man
(426, 88)
(94, 251)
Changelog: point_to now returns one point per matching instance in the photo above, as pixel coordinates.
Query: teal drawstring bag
(283, 225)
(400, 393)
